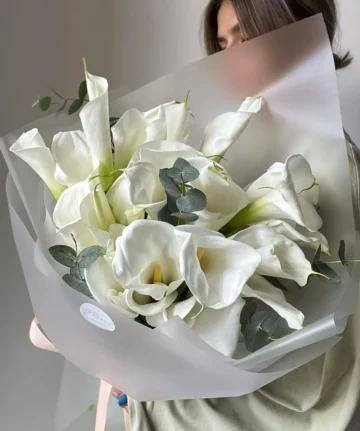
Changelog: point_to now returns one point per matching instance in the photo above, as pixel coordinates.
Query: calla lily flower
(31, 148)
(215, 268)
(146, 264)
(284, 193)
(73, 159)
(258, 287)
(95, 121)
(280, 257)
(222, 132)
(300, 235)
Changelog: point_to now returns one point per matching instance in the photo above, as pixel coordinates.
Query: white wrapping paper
(293, 69)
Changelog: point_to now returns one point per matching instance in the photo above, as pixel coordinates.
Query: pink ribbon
(42, 342)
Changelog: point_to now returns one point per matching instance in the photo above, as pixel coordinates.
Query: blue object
(122, 400)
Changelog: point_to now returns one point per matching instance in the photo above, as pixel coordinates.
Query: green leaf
(79, 285)
(64, 255)
(77, 272)
(247, 312)
(169, 184)
(342, 252)
(263, 328)
(175, 174)
(316, 257)
(181, 164)
(189, 174)
(82, 90)
(75, 106)
(45, 103)
(188, 217)
(195, 200)
(89, 255)
(165, 215)
(332, 276)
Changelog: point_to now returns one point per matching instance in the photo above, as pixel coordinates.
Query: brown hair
(257, 17)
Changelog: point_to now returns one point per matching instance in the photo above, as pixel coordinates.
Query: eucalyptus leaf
(175, 174)
(263, 328)
(64, 255)
(169, 184)
(189, 174)
(188, 217)
(89, 255)
(342, 252)
(195, 200)
(181, 164)
(75, 106)
(77, 272)
(171, 203)
(82, 90)
(166, 216)
(79, 285)
(45, 103)
(247, 312)
(325, 269)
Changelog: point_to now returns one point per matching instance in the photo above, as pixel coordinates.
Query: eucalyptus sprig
(77, 262)
(182, 198)
(46, 102)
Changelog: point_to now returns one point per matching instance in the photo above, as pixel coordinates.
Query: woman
(323, 394)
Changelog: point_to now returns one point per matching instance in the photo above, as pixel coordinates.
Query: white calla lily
(300, 235)
(215, 268)
(280, 257)
(31, 148)
(282, 194)
(119, 200)
(95, 121)
(72, 156)
(146, 264)
(67, 209)
(214, 181)
(104, 287)
(134, 130)
(222, 132)
(178, 122)
(221, 329)
(95, 210)
(258, 287)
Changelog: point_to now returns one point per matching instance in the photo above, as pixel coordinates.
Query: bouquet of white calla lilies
(161, 230)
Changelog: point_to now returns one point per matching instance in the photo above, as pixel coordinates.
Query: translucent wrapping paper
(293, 70)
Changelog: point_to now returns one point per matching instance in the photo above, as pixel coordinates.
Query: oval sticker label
(97, 317)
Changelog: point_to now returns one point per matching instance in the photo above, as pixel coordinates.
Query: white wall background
(130, 42)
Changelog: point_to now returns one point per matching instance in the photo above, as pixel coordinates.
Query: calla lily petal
(67, 209)
(150, 308)
(31, 148)
(178, 122)
(221, 328)
(216, 280)
(95, 210)
(72, 156)
(222, 132)
(258, 287)
(300, 235)
(280, 257)
(119, 200)
(95, 121)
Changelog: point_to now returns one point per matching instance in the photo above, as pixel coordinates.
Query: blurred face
(229, 33)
